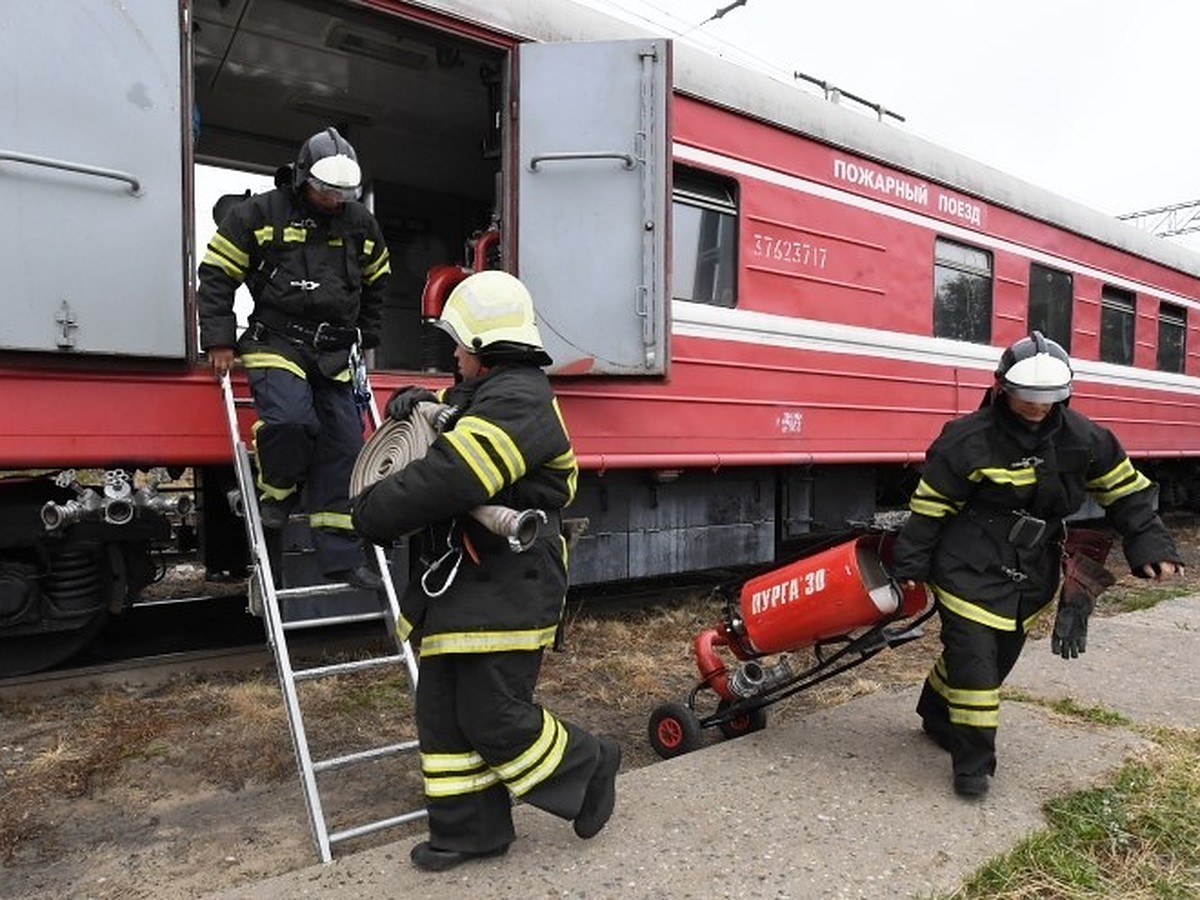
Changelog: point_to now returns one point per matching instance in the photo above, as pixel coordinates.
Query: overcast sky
(1094, 99)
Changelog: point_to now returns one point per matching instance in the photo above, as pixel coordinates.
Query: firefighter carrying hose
(482, 633)
(987, 534)
(316, 265)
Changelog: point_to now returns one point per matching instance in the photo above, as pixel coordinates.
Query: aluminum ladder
(261, 582)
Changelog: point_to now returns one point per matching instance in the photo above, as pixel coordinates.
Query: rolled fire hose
(395, 444)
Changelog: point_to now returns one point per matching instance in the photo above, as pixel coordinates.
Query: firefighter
(484, 741)
(987, 533)
(315, 262)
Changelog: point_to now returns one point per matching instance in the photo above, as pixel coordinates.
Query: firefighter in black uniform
(986, 534)
(483, 739)
(316, 265)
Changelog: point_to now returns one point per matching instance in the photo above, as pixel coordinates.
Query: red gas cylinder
(828, 594)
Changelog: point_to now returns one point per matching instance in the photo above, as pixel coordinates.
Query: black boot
(601, 794)
(428, 858)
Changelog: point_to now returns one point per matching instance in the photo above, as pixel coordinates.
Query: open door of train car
(92, 178)
(592, 200)
(109, 105)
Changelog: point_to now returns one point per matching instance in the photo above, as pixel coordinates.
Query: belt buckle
(317, 337)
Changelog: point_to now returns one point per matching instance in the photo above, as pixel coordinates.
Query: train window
(1172, 337)
(962, 292)
(704, 238)
(1116, 326)
(1051, 294)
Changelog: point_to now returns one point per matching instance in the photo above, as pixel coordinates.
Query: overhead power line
(1167, 221)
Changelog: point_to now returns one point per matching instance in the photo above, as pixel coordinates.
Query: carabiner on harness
(358, 376)
(451, 551)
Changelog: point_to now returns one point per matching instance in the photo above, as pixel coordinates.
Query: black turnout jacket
(508, 446)
(299, 264)
(989, 469)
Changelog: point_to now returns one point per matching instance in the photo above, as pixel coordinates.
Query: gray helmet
(328, 161)
(1035, 369)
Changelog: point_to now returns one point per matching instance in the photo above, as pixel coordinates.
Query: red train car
(761, 306)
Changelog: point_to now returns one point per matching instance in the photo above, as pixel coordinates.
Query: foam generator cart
(837, 600)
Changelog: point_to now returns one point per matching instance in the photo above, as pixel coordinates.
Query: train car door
(92, 178)
(593, 166)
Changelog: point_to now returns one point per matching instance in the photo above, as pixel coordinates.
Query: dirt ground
(177, 789)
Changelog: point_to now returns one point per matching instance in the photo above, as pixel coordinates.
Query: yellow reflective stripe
(336, 242)
(472, 437)
(271, 361)
(1114, 476)
(487, 641)
(294, 235)
(227, 256)
(1022, 477)
(478, 461)
(498, 439)
(928, 501)
(967, 610)
(381, 266)
(441, 763)
(264, 235)
(339, 521)
(231, 251)
(453, 774)
(977, 718)
(1121, 481)
(546, 762)
(214, 259)
(403, 627)
(368, 247)
(960, 696)
(456, 786)
(567, 464)
(343, 376)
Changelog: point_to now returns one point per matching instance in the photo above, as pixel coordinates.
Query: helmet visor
(1054, 394)
(330, 190)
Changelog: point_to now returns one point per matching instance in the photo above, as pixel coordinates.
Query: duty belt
(321, 336)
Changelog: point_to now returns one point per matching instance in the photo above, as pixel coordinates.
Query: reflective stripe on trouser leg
(338, 443)
(961, 695)
(284, 435)
(478, 717)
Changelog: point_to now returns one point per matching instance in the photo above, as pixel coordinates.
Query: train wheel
(674, 730)
(742, 723)
(25, 654)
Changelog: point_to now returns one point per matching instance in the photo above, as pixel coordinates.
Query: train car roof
(708, 77)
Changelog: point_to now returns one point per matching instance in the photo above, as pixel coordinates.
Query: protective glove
(1084, 580)
(1069, 637)
(400, 404)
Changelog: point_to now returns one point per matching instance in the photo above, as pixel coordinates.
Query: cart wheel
(674, 730)
(742, 723)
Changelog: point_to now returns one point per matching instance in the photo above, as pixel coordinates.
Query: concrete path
(851, 801)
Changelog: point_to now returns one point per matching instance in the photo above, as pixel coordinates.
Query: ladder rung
(372, 827)
(300, 624)
(357, 665)
(339, 762)
(312, 590)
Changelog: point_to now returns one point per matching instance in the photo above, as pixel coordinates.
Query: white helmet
(1035, 369)
(329, 162)
(492, 311)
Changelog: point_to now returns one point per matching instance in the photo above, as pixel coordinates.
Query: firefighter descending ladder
(266, 599)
